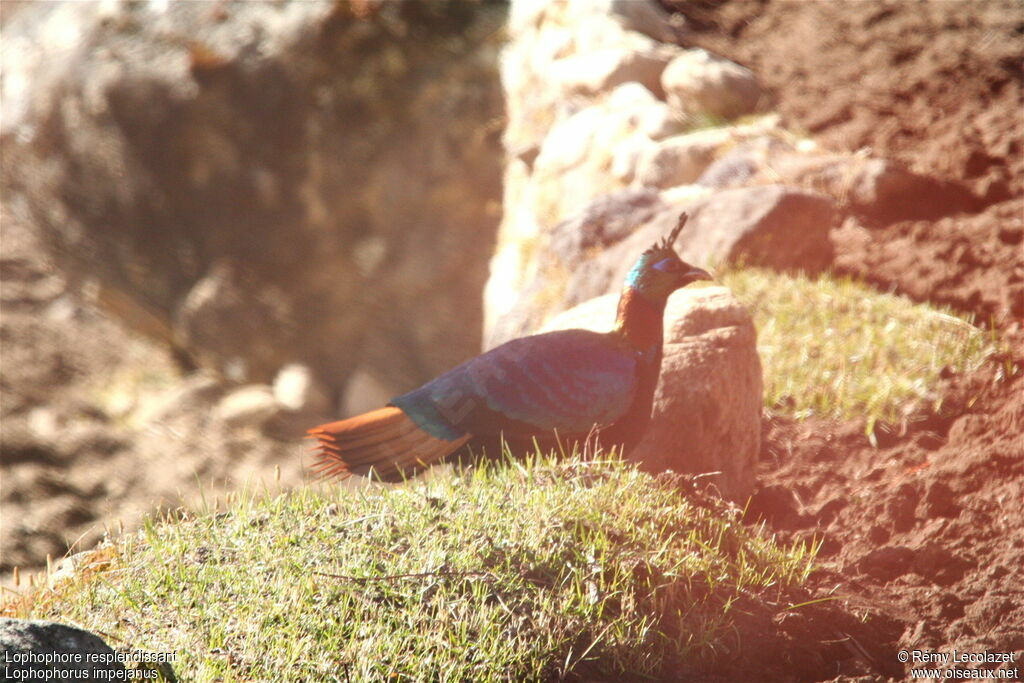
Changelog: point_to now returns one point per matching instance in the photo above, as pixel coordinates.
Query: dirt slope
(928, 528)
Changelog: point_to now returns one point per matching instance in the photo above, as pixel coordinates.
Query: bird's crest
(666, 242)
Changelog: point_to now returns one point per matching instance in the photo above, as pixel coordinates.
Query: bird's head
(659, 271)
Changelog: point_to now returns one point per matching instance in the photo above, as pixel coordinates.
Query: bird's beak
(696, 275)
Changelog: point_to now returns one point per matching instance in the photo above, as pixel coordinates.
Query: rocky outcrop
(264, 184)
(707, 407)
(592, 109)
(757, 193)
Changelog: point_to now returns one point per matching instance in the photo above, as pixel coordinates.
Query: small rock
(697, 82)
(605, 221)
(197, 391)
(680, 159)
(771, 226)
(296, 389)
(602, 70)
(248, 406)
(732, 170)
(20, 639)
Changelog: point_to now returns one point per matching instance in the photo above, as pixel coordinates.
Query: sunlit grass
(835, 347)
(517, 571)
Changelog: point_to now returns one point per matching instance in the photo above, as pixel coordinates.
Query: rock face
(707, 407)
(588, 116)
(20, 639)
(240, 184)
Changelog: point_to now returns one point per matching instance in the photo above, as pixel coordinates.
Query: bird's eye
(666, 265)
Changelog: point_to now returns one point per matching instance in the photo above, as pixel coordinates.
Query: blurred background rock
(265, 183)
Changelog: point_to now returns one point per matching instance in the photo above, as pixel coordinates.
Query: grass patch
(835, 347)
(518, 571)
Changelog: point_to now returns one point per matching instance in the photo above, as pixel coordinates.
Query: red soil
(923, 534)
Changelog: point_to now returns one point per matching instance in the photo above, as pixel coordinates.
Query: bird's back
(569, 381)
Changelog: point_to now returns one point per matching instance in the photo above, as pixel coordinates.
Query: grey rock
(25, 643)
(743, 164)
(605, 221)
(647, 17)
(878, 191)
(602, 70)
(296, 388)
(771, 226)
(679, 160)
(249, 406)
(697, 82)
(265, 183)
(730, 171)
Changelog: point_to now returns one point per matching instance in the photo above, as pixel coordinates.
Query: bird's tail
(383, 441)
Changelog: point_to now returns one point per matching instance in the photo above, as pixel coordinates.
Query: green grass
(834, 347)
(518, 571)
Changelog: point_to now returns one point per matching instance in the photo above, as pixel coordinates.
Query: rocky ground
(927, 530)
(923, 535)
(81, 401)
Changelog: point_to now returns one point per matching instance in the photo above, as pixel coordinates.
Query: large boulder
(263, 184)
(707, 407)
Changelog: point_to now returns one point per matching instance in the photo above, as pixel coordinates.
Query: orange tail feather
(385, 441)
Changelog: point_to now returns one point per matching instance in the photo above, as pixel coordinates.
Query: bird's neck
(639, 320)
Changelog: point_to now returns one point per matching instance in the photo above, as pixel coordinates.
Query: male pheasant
(549, 388)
